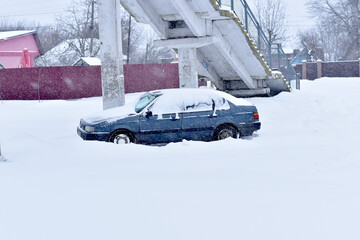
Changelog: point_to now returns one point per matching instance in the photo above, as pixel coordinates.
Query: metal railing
(272, 53)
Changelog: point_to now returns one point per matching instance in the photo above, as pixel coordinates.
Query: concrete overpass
(211, 42)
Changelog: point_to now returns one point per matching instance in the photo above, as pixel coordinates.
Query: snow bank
(297, 178)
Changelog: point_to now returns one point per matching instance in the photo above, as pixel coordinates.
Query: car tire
(121, 137)
(225, 131)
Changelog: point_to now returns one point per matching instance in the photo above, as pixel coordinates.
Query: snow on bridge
(211, 42)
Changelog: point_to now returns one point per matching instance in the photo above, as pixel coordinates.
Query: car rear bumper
(93, 136)
(248, 128)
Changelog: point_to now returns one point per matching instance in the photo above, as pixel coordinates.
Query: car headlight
(89, 129)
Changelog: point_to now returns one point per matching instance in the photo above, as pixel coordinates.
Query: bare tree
(331, 41)
(154, 54)
(75, 23)
(69, 38)
(5, 25)
(272, 18)
(311, 40)
(137, 38)
(73, 31)
(49, 36)
(341, 20)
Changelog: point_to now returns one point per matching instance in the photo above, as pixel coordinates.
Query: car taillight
(256, 115)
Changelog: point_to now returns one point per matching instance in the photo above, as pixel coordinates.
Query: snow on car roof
(192, 92)
(186, 99)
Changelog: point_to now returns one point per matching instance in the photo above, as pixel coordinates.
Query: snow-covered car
(172, 115)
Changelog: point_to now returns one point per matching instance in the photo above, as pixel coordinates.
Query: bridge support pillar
(188, 68)
(112, 72)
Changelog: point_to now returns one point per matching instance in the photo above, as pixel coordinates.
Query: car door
(158, 127)
(198, 125)
(200, 120)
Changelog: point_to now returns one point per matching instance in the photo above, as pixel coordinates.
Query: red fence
(311, 70)
(80, 82)
(147, 77)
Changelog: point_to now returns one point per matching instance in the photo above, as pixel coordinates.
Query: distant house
(19, 49)
(88, 61)
(92, 61)
(300, 56)
(308, 55)
(67, 52)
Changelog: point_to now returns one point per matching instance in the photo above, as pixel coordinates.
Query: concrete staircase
(212, 43)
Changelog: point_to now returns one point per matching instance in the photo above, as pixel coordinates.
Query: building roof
(13, 34)
(288, 50)
(91, 61)
(88, 61)
(301, 56)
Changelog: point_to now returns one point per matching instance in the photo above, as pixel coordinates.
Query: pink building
(18, 49)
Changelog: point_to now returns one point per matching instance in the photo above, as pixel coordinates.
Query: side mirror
(149, 114)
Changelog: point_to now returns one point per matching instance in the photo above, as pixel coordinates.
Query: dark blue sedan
(173, 115)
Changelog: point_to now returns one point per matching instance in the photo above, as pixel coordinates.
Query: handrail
(261, 41)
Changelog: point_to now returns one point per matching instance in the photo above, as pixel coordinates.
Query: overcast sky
(298, 19)
(44, 12)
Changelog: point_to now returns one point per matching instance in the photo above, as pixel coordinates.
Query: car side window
(205, 104)
(143, 102)
(200, 106)
(191, 103)
(162, 106)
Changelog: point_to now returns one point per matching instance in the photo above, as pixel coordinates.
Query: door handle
(175, 119)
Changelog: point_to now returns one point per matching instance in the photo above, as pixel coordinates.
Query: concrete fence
(48, 83)
(311, 70)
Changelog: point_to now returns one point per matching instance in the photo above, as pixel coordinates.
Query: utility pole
(92, 29)
(2, 158)
(129, 38)
(112, 72)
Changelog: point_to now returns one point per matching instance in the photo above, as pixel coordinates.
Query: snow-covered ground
(297, 178)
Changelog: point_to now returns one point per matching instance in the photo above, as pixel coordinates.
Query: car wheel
(225, 131)
(121, 137)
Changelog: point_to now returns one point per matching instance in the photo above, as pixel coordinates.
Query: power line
(31, 14)
(12, 10)
(37, 8)
(30, 3)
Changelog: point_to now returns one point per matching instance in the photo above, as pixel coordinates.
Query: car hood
(111, 115)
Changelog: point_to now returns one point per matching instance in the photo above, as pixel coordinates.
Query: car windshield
(144, 101)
